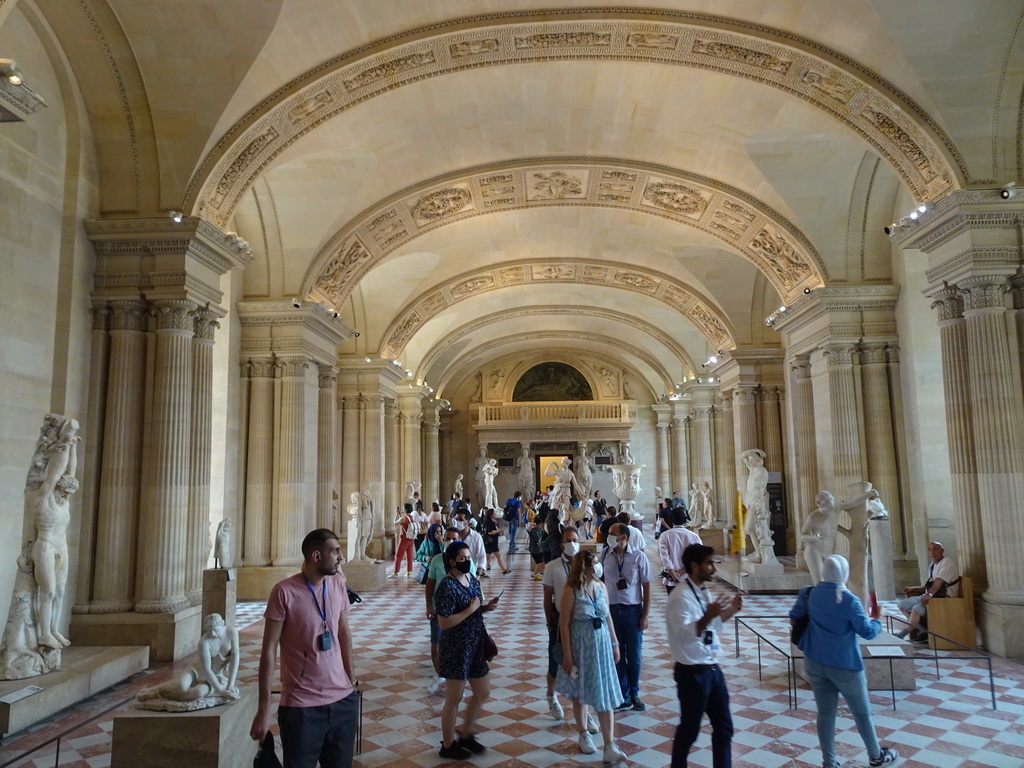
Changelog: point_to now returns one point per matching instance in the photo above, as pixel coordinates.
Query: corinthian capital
(128, 315)
(839, 353)
(174, 314)
(873, 353)
(292, 367)
(950, 304)
(204, 324)
(983, 292)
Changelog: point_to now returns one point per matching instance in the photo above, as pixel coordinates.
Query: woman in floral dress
(591, 651)
(460, 607)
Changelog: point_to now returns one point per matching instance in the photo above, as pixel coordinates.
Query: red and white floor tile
(948, 722)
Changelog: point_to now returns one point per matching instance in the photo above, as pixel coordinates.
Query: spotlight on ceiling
(10, 72)
(176, 216)
(807, 291)
(1008, 191)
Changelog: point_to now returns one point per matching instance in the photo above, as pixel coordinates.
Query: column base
(170, 636)
(256, 583)
(1002, 628)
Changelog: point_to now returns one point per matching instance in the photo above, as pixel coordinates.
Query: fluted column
(700, 444)
(259, 473)
(410, 418)
(163, 530)
(372, 451)
(771, 429)
(446, 472)
(805, 450)
(1017, 292)
(879, 438)
(120, 475)
(291, 505)
(997, 437)
(431, 428)
(203, 325)
(663, 411)
(745, 423)
(393, 467)
(99, 364)
(725, 493)
(328, 501)
(350, 447)
(847, 460)
(680, 443)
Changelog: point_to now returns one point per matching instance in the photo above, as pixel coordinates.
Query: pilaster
(848, 461)
(259, 473)
(663, 414)
(726, 465)
(291, 498)
(328, 500)
(431, 470)
(680, 444)
(805, 458)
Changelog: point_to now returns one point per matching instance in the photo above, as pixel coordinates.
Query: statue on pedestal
(758, 514)
(708, 504)
(584, 471)
(858, 506)
(490, 471)
(696, 506)
(625, 455)
(222, 556)
(210, 682)
(626, 479)
(526, 482)
(458, 486)
(561, 494)
(481, 483)
(818, 534)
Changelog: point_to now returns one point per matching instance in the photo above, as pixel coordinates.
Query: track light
(1008, 191)
(807, 291)
(296, 303)
(10, 72)
(367, 359)
(176, 216)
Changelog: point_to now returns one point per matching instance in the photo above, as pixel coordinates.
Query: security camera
(1008, 191)
(889, 229)
(296, 303)
(334, 315)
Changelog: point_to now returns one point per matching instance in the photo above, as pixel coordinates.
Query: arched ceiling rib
(765, 237)
(893, 124)
(698, 309)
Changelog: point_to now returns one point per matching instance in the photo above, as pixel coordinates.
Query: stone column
(259, 473)
(680, 443)
(661, 474)
(392, 464)
(410, 418)
(846, 454)
(203, 326)
(120, 473)
(447, 472)
(879, 438)
(328, 500)
(291, 506)
(700, 444)
(745, 424)
(350, 447)
(431, 471)
(372, 452)
(998, 436)
(771, 428)
(725, 493)
(163, 530)
(99, 363)
(805, 451)
(1017, 292)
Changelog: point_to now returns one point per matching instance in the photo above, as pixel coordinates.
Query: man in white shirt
(671, 546)
(695, 625)
(943, 581)
(475, 542)
(636, 538)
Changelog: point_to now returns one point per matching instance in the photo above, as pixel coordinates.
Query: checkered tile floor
(947, 722)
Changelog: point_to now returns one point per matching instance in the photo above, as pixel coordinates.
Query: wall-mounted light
(1007, 191)
(176, 216)
(9, 71)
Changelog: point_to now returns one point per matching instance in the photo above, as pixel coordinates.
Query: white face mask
(571, 548)
(598, 571)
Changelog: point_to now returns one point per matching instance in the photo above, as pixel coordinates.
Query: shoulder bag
(800, 625)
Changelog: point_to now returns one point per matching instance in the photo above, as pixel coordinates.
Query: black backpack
(510, 511)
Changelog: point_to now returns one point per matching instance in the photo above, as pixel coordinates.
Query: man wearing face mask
(555, 574)
(627, 577)
(474, 541)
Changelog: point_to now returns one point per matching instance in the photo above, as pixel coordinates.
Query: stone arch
(695, 307)
(455, 337)
(898, 128)
(758, 233)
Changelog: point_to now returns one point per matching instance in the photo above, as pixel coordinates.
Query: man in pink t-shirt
(307, 620)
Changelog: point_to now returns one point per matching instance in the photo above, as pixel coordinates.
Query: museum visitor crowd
(596, 605)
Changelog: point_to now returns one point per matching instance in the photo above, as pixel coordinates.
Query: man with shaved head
(943, 581)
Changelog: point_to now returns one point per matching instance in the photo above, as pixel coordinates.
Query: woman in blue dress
(591, 651)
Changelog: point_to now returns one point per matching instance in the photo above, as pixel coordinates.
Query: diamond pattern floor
(947, 722)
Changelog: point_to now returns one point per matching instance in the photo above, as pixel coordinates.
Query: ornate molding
(758, 233)
(327, 376)
(205, 324)
(262, 368)
(292, 367)
(695, 307)
(839, 353)
(899, 129)
(982, 292)
(129, 316)
(950, 304)
(873, 353)
(174, 314)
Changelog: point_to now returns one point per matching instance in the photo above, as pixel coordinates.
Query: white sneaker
(592, 726)
(612, 754)
(436, 687)
(586, 744)
(555, 708)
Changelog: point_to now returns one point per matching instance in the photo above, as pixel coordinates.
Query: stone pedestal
(877, 670)
(716, 538)
(880, 535)
(627, 485)
(256, 583)
(730, 570)
(170, 636)
(774, 568)
(207, 738)
(365, 576)
(85, 672)
(220, 593)
(353, 539)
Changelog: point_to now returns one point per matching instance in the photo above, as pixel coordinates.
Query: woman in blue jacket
(833, 661)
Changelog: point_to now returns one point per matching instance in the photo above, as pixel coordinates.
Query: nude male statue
(561, 494)
(818, 533)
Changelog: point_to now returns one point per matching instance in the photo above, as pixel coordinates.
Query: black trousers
(701, 688)
(326, 733)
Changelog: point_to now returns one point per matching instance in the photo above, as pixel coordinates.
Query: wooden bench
(953, 617)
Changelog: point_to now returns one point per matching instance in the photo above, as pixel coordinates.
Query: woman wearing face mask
(590, 653)
(459, 606)
(432, 545)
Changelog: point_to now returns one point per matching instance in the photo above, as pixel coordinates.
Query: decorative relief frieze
(471, 286)
(245, 158)
(637, 280)
(592, 274)
(739, 209)
(676, 296)
(556, 185)
(652, 40)
(781, 257)
(564, 40)
(340, 270)
(402, 333)
(904, 143)
(512, 275)
(372, 75)
(474, 47)
(749, 56)
(305, 107)
(554, 272)
(434, 303)
(675, 197)
(441, 204)
(830, 84)
(708, 323)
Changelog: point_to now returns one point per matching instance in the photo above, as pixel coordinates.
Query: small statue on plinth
(708, 504)
(758, 513)
(490, 494)
(210, 682)
(458, 486)
(222, 556)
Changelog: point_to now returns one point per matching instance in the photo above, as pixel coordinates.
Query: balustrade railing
(590, 412)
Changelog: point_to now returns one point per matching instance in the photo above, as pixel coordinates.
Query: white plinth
(774, 568)
(365, 575)
(880, 535)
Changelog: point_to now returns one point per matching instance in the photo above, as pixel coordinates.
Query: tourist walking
(833, 660)
(492, 538)
(458, 601)
(436, 571)
(405, 538)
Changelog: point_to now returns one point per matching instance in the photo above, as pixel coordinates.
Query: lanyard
(696, 595)
(321, 611)
(593, 602)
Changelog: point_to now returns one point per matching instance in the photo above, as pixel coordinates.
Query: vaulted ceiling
(467, 180)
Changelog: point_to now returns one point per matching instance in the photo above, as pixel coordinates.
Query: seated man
(943, 581)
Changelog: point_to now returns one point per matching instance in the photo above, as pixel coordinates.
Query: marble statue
(818, 534)
(657, 493)
(356, 546)
(708, 504)
(858, 506)
(412, 491)
(458, 486)
(481, 483)
(477, 395)
(490, 494)
(527, 484)
(366, 516)
(625, 455)
(561, 494)
(211, 681)
(584, 471)
(755, 499)
(626, 480)
(696, 506)
(20, 655)
(222, 556)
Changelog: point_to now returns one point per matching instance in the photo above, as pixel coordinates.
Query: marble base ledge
(255, 583)
(84, 673)
(364, 576)
(220, 593)
(788, 582)
(170, 636)
(904, 676)
(217, 737)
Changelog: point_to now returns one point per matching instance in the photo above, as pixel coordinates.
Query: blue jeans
(326, 733)
(827, 683)
(626, 620)
(701, 688)
(513, 528)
